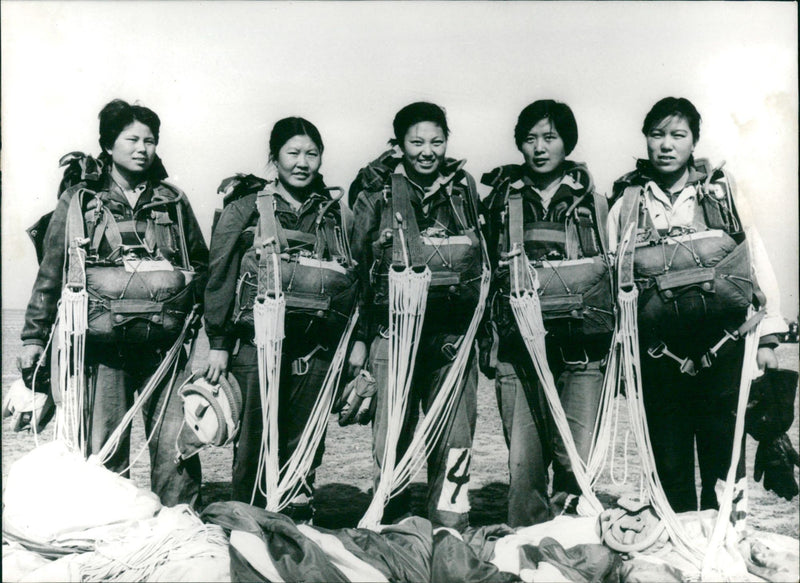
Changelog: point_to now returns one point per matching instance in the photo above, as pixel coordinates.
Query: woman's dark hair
(118, 114)
(559, 114)
(670, 106)
(287, 128)
(415, 113)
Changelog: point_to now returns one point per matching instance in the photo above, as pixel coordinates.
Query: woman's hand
(765, 358)
(217, 365)
(358, 355)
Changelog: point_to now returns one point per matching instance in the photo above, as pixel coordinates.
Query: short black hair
(415, 113)
(671, 106)
(559, 114)
(119, 114)
(287, 128)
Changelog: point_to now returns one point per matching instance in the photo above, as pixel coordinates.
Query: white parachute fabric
(296, 468)
(525, 304)
(408, 295)
(269, 313)
(53, 496)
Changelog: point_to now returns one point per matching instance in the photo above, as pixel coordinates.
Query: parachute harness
(280, 484)
(525, 304)
(73, 415)
(408, 292)
(711, 559)
(526, 307)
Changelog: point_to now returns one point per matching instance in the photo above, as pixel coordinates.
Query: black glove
(770, 411)
(775, 460)
(42, 377)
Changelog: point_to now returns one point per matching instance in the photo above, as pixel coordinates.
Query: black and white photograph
(400, 291)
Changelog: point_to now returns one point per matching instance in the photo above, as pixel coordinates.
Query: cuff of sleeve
(221, 343)
(768, 341)
(33, 342)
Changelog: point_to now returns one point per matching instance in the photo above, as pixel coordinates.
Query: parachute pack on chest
(449, 246)
(569, 257)
(689, 274)
(133, 264)
(317, 272)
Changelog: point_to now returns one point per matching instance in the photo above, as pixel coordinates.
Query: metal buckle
(300, 365)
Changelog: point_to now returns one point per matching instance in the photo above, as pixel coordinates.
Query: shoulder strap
(601, 219)
(403, 210)
(516, 242)
(628, 219)
(267, 242)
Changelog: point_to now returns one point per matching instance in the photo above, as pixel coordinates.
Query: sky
(219, 74)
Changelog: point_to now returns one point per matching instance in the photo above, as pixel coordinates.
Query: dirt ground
(344, 478)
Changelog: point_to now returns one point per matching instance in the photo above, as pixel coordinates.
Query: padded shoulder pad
(79, 167)
(496, 177)
(240, 185)
(373, 175)
(169, 189)
(580, 174)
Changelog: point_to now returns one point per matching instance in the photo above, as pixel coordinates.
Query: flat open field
(345, 475)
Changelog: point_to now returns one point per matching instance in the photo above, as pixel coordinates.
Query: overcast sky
(220, 74)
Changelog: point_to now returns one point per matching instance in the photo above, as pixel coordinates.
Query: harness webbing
(407, 302)
(526, 306)
(269, 312)
(401, 205)
(710, 558)
(279, 484)
(70, 345)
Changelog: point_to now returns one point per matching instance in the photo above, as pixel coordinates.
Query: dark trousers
(298, 393)
(115, 376)
(448, 463)
(684, 412)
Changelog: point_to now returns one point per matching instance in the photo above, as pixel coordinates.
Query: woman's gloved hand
(775, 461)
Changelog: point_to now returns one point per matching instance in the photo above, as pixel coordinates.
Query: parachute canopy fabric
(53, 495)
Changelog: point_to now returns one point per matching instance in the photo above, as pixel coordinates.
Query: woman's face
(298, 162)
(424, 147)
(134, 149)
(543, 148)
(670, 144)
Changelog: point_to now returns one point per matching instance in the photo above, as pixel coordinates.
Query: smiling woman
(282, 241)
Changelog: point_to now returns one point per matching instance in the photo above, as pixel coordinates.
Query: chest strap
(268, 242)
(405, 220)
(517, 260)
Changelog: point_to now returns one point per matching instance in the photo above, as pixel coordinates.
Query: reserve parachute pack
(689, 275)
(451, 248)
(136, 272)
(318, 276)
(568, 253)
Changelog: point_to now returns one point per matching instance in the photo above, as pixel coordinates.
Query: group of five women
(415, 206)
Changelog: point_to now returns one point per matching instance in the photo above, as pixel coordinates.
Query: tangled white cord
(408, 296)
(268, 319)
(296, 468)
(525, 304)
(70, 425)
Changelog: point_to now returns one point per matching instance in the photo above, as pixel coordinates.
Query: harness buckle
(450, 349)
(300, 365)
(660, 349)
(582, 362)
